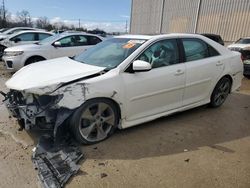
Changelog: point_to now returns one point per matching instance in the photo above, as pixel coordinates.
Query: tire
(34, 60)
(247, 76)
(94, 121)
(220, 92)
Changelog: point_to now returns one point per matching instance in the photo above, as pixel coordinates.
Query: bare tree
(3, 13)
(42, 22)
(24, 18)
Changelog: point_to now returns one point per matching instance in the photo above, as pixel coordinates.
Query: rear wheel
(220, 93)
(34, 60)
(94, 121)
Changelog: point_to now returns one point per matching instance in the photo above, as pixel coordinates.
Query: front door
(160, 89)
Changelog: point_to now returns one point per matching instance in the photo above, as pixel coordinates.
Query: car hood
(46, 76)
(238, 45)
(3, 36)
(26, 47)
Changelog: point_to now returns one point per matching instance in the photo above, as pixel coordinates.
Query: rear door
(203, 67)
(83, 42)
(42, 36)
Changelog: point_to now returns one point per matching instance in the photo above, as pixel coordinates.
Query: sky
(110, 15)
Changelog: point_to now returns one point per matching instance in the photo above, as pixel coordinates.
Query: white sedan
(65, 44)
(23, 37)
(122, 82)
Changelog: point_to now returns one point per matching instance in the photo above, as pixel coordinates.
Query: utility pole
(126, 27)
(197, 16)
(79, 23)
(4, 15)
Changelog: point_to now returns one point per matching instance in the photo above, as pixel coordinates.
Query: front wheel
(247, 76)
(94, 121)
(220, 93)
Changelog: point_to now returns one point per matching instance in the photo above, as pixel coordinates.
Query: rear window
(196, 49)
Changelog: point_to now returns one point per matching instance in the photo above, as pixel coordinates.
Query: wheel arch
(229, 77)
(33, 56)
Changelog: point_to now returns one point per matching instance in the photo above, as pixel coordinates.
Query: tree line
(23, 19)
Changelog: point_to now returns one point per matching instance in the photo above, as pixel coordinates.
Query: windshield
(49, 39)
(109, 53)
(243, 41)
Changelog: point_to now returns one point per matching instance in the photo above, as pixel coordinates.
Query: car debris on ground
(55, 163)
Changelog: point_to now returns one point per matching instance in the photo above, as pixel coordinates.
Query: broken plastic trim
(55, 163)
(3, 94)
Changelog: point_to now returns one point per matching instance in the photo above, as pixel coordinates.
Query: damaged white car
(122, 82)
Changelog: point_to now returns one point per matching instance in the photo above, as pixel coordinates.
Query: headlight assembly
(13, 53)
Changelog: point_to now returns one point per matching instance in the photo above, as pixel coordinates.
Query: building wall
(229, 18)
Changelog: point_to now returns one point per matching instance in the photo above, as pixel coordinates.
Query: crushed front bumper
(35, 111)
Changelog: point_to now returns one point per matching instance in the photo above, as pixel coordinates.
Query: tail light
(242, 58)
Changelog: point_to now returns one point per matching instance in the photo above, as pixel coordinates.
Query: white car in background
(13, 30)
(23, 37)
(65, 44)
(122, 82)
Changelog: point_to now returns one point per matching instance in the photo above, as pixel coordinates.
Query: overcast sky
(110, 15)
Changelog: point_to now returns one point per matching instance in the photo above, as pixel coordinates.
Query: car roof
(33, 31)
(148, 37)
(245, 38)
(28, 31)
(210, 34)
(65, 34)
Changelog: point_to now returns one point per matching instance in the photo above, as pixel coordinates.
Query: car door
(203, 67)
(42, 36)
(70, 46)
(83, 42)
(25, 38)
(67, 47)
(160, 89)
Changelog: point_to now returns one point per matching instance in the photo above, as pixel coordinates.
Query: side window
(196, 49)
(25, 37)
(67, 41)
(43, 36)
(212, 52)
(92, 40)
(81, 40)
(162, 53)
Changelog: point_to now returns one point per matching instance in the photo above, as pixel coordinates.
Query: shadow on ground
(188, 130)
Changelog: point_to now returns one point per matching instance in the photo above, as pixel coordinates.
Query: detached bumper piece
(246, 70)
(55, 164)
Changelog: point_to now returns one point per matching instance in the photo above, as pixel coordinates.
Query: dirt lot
(202, 147)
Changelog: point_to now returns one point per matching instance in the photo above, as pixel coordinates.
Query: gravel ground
(202, 147)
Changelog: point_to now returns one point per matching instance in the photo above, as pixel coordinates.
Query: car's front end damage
(45, 105)
(32, 110)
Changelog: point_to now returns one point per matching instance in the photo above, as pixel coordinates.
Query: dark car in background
(214, 37)
(243, 46)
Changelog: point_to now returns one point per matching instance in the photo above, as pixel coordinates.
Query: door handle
(219, 63)
(179, 72)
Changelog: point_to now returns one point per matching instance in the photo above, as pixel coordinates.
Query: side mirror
(16, 40)
(141, 66)
(57, 44)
